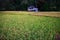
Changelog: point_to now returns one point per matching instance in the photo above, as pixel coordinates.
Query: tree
(42, 5)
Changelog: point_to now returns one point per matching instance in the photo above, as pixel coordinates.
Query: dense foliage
(42, 5)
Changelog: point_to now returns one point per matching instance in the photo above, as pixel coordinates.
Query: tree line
(22, 5)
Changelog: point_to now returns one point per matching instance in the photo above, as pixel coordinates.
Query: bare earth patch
(57, 37)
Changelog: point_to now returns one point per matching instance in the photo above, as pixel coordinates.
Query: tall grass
(27, 27)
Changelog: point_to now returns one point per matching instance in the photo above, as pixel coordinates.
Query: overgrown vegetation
(28, 27)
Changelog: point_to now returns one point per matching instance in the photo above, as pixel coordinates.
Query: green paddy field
(28, 27)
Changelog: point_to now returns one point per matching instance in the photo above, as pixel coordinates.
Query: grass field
(28, 27)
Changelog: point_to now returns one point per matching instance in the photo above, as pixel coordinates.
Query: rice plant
(28, 27)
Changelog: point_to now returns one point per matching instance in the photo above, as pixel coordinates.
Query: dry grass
(52, 14)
